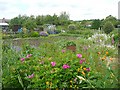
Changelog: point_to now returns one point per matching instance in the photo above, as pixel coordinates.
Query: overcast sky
(77, 9)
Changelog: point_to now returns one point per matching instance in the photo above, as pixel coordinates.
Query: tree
(96, 24)
(19, 20)
(111, 19)
(40, 20)
(64, 18)
(55, 19)
(108, 27)
(30, 23)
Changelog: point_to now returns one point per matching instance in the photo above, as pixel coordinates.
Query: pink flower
(82, 60)
(85, 47)
(65, 66)
(88, 69)
(63, 51)
(53, 63)
(22, 59)
(79, 55)
(113, 40)
(29, 55)
(31, 76)
(75, 79)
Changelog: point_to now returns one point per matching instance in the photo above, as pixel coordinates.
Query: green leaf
(20, 81)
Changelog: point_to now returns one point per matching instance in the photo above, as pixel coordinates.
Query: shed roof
(4, 24)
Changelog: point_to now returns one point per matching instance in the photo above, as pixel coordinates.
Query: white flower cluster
(107, 46)
(99, 38)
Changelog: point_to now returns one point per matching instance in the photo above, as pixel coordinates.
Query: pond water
(34, 42)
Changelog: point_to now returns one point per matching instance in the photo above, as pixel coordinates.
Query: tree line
(31, 22)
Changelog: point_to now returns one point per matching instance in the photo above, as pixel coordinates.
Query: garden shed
(4, 26)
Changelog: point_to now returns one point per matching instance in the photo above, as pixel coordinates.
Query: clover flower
(31, 76)
(53, 63)
(79, 55)
(63, 51)
(65, 66)
(22, 59)
(29, 55)
(82, 60)
(88, 69)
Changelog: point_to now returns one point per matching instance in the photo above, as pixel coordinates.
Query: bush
(71, 27)
(108, 27)
(74, 32)
(57, 31)
(115, 35)
(34, 34)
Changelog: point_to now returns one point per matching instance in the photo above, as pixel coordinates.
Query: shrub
(115, 35)
(34, 34)
(71, 27)
(108, 27)
(57, 31)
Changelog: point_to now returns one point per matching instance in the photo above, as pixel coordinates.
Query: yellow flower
(71, 86)
(83, 73)
(47, 88)
(104, 58)
(50, 83)
(47, 83)
(111, 59)
(70, 81)
(81, 67)
(75, 85)
(56, 88)
(78, 69)
(84, 68)
(99, 53)
(106, 53)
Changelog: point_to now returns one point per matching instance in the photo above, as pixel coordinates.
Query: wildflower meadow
(94, 64)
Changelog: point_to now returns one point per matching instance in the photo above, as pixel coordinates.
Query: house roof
(4, 24)
(4, 20)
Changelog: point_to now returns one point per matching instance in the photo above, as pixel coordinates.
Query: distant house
(4, 24)
(88, 25)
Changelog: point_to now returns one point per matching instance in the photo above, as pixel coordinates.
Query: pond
(34, 42)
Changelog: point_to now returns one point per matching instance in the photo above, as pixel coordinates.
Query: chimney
(3, 20)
